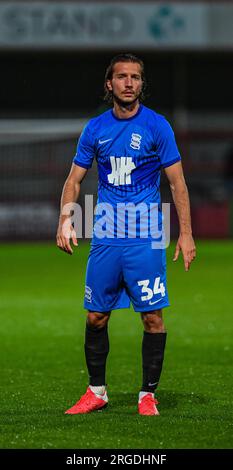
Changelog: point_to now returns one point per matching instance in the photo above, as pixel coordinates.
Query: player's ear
(109, 85)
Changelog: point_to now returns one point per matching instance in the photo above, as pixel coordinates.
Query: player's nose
(128, 81)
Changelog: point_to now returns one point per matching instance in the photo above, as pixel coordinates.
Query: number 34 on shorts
(149, 293)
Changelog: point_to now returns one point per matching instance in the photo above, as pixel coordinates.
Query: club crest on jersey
(135, 141)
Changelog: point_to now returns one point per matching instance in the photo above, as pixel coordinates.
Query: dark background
(72, 83)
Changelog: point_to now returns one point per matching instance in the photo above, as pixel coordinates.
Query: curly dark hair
(125, 57)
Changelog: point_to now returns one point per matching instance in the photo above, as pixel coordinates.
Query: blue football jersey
(130, 154)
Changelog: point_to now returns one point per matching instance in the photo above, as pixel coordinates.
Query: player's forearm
(181, 199)
(70, 195)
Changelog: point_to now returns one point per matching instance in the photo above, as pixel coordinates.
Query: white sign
(112, 25)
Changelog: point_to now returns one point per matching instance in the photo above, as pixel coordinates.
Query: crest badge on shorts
(88, 294)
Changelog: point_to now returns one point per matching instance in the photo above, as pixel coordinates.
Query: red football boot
(89, 402)
(147, 405)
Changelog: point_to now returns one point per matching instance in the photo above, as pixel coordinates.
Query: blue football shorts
(118, 275)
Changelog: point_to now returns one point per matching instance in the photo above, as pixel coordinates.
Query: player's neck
(125, 112)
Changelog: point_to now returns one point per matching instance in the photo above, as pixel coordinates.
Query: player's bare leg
(153, 321)
(96, 352)
(153, 346)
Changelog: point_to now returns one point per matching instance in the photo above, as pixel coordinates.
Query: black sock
(96, 352)
(153, 346)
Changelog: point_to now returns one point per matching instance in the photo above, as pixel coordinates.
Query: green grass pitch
(42, 358)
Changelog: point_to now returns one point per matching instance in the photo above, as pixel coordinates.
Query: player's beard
(126, 104)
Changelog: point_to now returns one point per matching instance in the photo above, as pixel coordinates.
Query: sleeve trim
(171, 162)
(83, 165)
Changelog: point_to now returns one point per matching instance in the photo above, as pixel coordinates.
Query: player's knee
(98, 320)
(153, 322)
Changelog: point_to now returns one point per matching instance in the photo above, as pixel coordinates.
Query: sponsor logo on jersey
(121, 170)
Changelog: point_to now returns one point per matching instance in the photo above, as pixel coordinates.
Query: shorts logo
(135, 141)
(88, 294)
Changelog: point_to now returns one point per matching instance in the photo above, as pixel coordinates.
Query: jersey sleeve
(85, 149)
(167, 149)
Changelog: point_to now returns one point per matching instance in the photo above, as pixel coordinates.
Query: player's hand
(185, 244)
(66, 233)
